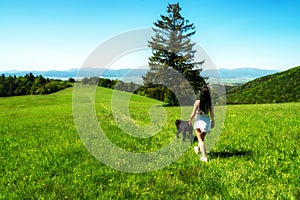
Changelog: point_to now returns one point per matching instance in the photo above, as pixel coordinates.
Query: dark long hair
(205, 100)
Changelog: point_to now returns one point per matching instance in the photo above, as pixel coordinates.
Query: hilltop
(275, 88)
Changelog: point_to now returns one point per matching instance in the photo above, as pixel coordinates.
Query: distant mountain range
(223, 75)
(238, 73)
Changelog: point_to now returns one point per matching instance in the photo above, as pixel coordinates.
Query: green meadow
(257, 155)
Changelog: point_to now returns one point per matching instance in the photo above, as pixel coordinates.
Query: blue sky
(60, 34)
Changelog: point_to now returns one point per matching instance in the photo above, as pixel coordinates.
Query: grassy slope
(275, 88)
(42, 156)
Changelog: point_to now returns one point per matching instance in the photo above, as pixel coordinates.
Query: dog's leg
(191, 136)
(184, 135)
(177, 134)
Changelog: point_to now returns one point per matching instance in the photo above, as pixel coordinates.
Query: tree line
(158, 92)
(113, 84)
(30, 85)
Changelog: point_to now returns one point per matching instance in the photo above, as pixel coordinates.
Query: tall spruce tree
(173, 50)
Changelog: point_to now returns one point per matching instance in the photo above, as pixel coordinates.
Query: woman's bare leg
(201, 145)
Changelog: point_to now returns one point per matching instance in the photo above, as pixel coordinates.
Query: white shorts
(202, 122)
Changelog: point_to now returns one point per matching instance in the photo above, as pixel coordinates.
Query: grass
(42, 156)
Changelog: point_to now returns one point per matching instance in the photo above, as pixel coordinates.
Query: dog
(183, 127)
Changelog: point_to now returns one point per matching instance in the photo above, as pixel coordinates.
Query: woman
(203, 122)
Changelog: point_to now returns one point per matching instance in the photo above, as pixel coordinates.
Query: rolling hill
(275, 88)
(43, 157)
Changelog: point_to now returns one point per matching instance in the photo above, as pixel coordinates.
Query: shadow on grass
(228, 154)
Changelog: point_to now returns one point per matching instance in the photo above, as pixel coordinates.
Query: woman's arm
(194, 112)
(212, 117)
